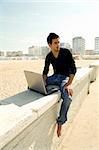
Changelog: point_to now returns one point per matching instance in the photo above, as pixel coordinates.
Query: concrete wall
(32, 125)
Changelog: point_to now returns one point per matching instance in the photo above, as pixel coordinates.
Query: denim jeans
(61, 80)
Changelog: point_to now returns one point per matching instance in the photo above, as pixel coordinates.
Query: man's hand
(69, 90)
(68, 86)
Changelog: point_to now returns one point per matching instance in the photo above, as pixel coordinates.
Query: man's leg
(55, 79)
(60, 80)
(64, 109)
(52, 80)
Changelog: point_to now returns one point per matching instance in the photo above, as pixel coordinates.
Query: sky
(24, 23)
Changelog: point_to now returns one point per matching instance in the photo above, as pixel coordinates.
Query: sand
(12, 78)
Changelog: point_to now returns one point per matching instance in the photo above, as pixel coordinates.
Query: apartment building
(78, 45)
(96, 45)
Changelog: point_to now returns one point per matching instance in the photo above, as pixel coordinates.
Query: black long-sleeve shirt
(64, 64)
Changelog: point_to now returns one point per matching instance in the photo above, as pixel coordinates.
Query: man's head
(53, 41)
(51, 36)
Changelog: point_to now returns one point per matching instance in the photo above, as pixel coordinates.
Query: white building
(14, 53)
(96, 45)
(1, 53)
(65, 45)
(39, 52)
(44, 51)
(89, 52)
(34, 51)
(78, 45)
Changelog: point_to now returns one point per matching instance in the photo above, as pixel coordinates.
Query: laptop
(36, 83)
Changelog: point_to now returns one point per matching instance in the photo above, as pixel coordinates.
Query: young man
(64, 72)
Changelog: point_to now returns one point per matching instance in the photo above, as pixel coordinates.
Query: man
(64, 72)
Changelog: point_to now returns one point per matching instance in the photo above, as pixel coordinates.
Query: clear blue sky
(24, 23)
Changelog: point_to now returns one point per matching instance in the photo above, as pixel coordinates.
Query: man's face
(55, 46)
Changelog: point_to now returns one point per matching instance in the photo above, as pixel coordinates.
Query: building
(38, 52)
(65, 45)
(89, 52)
(34, 51)
(96, 45)
(78, 44)
(1, 53)
(14, 53)
(44, 51)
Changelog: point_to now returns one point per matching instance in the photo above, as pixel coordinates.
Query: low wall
(30, 124)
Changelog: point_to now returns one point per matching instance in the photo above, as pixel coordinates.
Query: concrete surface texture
(84, 132)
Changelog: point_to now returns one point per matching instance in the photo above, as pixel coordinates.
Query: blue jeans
(61, 80)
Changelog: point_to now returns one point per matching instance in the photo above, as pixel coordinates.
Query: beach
(12, 78)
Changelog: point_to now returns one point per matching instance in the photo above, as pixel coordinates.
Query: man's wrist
(71, 77)
(68, 84)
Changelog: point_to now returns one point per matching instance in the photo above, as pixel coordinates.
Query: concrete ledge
(95, 67)
(31, 125)
(18, 114)
(43, 104)
(13, 121)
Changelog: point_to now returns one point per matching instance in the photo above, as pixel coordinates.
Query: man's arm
(46, 68)
(68, 85)
(71, 77)
(72, 71)
(45, 78)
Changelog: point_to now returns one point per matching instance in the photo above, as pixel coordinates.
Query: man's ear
(49, 45)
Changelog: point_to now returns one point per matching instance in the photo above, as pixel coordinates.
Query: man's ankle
(59, 127)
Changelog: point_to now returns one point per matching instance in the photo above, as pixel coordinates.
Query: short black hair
(51, 36)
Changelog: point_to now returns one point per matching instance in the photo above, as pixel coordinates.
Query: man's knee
(67, 101)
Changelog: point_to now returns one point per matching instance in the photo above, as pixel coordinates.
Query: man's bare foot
(59, 127)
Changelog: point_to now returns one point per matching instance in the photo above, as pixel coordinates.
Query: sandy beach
(12, 78)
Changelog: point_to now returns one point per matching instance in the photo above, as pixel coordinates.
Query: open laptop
(36, 83)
